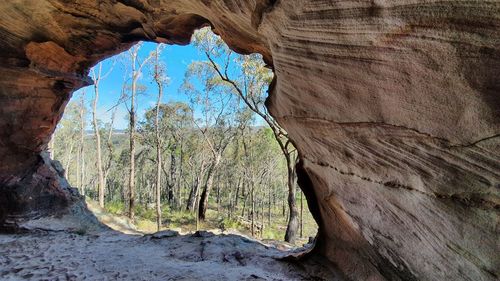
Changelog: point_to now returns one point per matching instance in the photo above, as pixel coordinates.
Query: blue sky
(176, 58)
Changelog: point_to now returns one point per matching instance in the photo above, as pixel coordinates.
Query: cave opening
(391, 106)
(199, 111)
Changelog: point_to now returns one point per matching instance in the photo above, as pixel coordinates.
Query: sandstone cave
(394, 109)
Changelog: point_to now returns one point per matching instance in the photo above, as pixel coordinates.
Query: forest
(216, 159)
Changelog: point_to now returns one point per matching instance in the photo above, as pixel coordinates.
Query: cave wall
(394, 107)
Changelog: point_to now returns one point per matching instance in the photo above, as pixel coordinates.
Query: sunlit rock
(393, 105)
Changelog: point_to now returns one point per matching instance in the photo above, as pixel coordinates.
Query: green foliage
(218, 124)
(145, 213)
(145, 224)
(227, 223)
(115, 207)
(177, 219)
(272, 233)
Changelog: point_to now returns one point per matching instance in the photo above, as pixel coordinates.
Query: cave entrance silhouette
(212, 126)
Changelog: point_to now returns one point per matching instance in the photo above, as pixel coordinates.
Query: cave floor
(111, 255)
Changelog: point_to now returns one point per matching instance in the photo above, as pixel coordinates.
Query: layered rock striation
(394, 107)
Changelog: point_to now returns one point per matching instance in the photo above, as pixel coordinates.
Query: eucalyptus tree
(197, 163)
(177, 122)
(217, 120)
(98, 76)
(248, 78)
(136, 65)
(174, 123)
(171, 122)
(161, 78)
(81, 152)
(109, 141)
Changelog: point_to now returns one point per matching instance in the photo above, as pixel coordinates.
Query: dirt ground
(83, 245)
(110, 255)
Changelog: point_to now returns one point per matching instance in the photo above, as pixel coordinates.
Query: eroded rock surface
(393, 105)
(117, 256)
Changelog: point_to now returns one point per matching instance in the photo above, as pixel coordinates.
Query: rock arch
(394, 108)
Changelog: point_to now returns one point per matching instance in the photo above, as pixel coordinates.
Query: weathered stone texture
(393, 105)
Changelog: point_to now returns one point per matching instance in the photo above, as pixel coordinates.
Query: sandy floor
(110, 255)
(83, 246)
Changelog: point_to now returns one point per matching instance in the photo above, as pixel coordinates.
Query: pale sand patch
(110, 255)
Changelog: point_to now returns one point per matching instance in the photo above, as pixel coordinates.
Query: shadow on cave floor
(77, 247)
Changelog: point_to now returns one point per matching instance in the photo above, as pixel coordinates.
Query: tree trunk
(193, 195)
(97, 134)
(269, 209)
(131, 181)
(109, 144)
(293, 224)
(283, 208)
(159, 81)
(158, 178)
(179, 181)
(230, 199)
(158, 166)
(244, 199)
(82, 145)
(203, 205)
(172, 180)
(68, 160)
(281, 137)
(136, 71)
(218, 192)
(253, 207)
(83, 173)
(262, 215)
(78, 164)
(235, 206)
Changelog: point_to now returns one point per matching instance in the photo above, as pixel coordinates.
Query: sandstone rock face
(393, 105)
